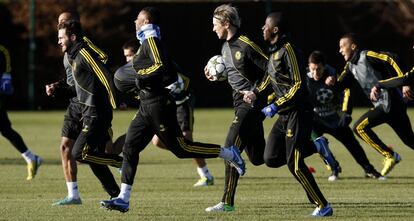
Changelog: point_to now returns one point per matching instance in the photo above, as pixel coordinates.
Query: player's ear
(146, 21)
(275, 30)
(226, 24)
(72, 37)
(353, 46)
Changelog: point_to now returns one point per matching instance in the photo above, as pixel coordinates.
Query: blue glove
(270, 111)
(6, 86)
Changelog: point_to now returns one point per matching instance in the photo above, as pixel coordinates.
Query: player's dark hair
(131, 44)
(73, 14)
(352, 37)
(153, 14)
(317, 57)
(72, 27)
(278, 20)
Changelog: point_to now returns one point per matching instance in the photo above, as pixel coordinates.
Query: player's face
(346, 48)
(129, 54)
(316, 70)
(220, 29)
(63, 40)
(141, 20)
(267, 30)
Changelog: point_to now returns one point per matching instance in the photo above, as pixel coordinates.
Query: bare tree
(399, 14)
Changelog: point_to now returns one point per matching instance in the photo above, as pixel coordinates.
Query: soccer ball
(217, 68)
(324, 95)
(177, 87)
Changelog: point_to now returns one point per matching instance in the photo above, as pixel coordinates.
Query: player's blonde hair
(227, 13)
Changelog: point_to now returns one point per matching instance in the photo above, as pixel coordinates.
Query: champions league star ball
(324, 95)
(216, 68)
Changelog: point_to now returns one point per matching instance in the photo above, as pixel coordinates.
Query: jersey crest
(276, 56)
(237, 55)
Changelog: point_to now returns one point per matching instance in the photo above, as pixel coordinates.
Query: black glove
(345, 120)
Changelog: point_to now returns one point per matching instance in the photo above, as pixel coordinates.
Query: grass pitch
(163, 185)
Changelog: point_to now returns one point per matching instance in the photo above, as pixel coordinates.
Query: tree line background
(186, 28)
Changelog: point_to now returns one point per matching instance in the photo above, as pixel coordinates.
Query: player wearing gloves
(180, 90)
(270, 110)
(245, 65)
(321, 143)
(157, 111)
(333, 113)
(289, 140)
(6, 88)
(367, 68)
(405, 80)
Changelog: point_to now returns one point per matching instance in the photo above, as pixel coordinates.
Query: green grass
(163, 185)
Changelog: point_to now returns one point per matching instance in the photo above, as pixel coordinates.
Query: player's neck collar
(147, 31)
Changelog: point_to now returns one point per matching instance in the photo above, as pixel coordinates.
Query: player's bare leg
(70, 172)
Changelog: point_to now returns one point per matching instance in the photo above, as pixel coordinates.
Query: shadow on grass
(348, 178)
(374, 204)
(48, 161)
(388, 178)
(21, 161)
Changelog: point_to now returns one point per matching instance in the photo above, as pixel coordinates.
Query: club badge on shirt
(237, 55)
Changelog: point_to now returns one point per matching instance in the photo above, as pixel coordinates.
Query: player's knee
(179, 154)
(257, 161)
(126, 148)
(270, 161)
(65, 152)
(129, 150)
(76, 154)
(355, 128)
(294, 170)
(65, 146)
(6, 132)
(3, 133)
